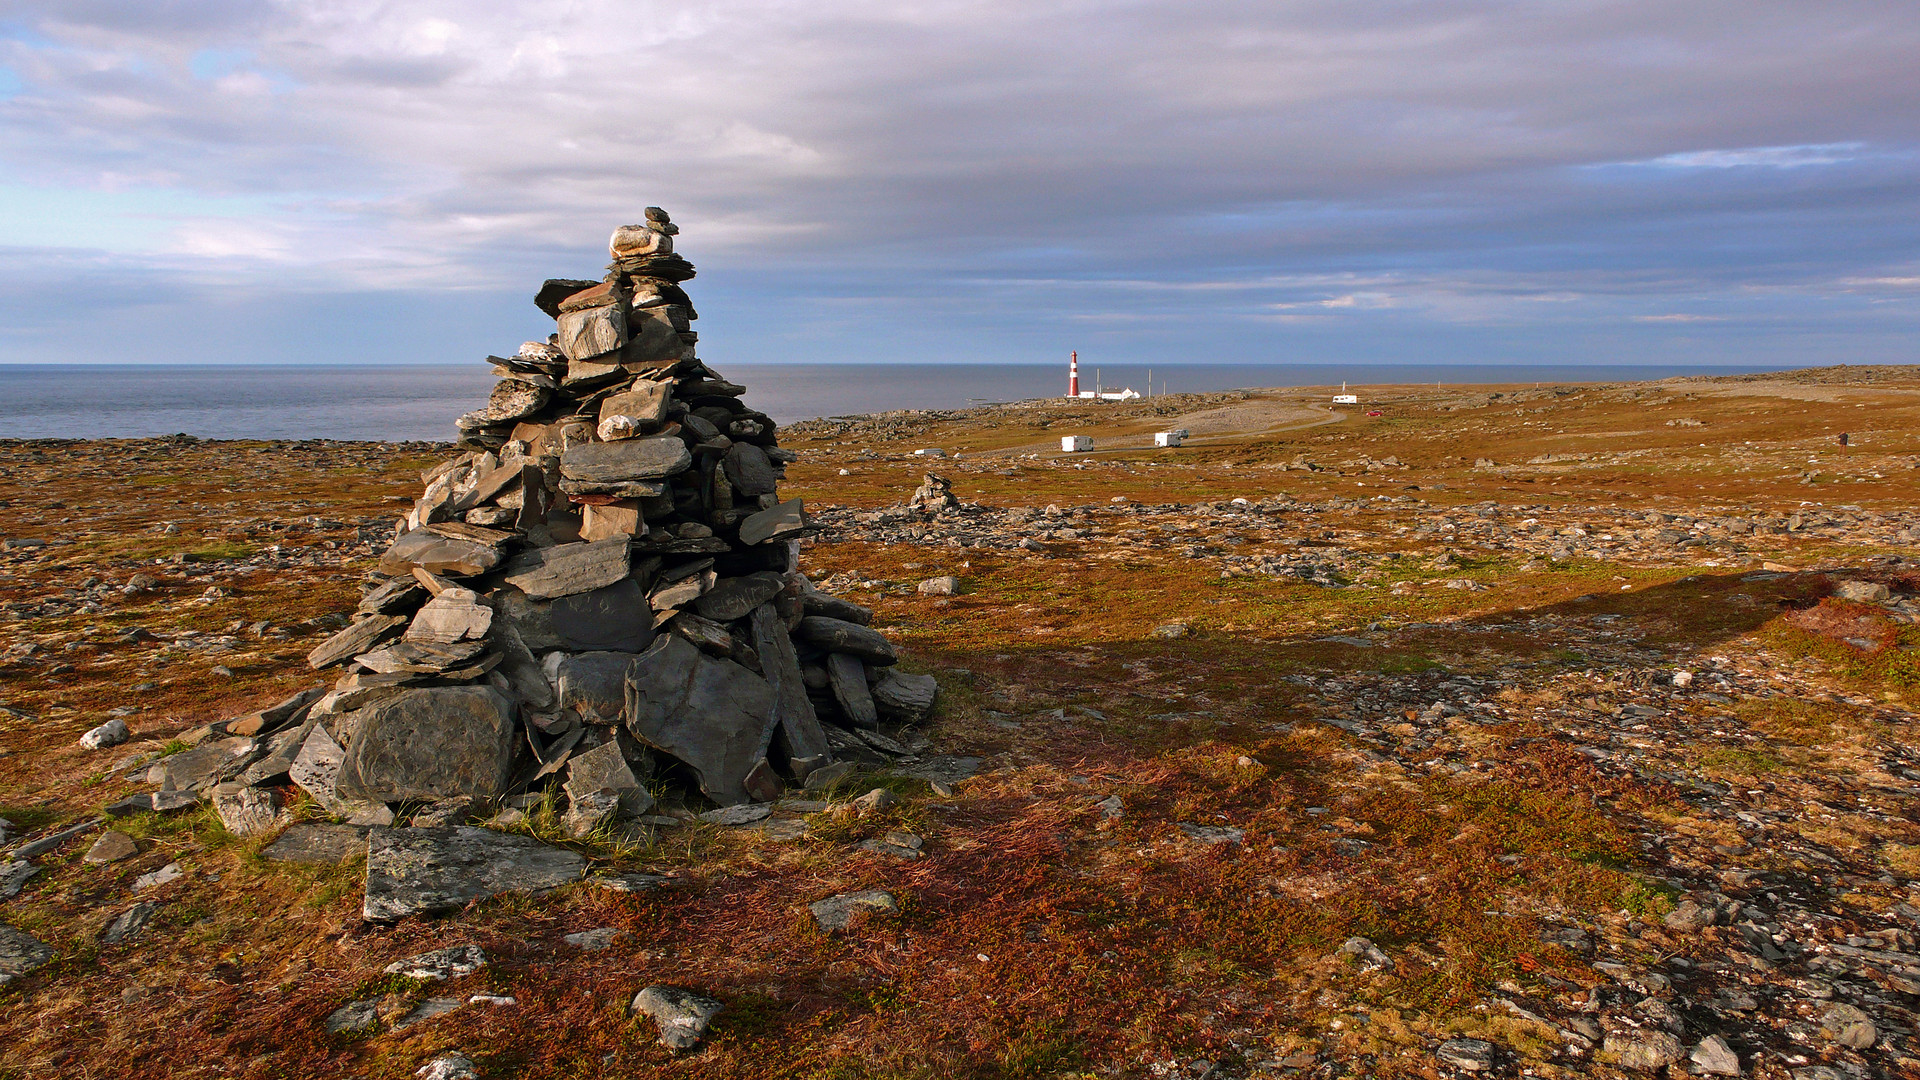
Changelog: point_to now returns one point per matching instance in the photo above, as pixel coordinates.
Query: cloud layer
(387, 180)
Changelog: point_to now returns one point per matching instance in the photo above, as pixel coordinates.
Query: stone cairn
(601, 592)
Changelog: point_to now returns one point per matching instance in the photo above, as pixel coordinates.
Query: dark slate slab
(422, 871)
(615, 618)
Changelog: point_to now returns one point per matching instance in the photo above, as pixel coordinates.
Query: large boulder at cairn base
(432, 743)
(712, 714)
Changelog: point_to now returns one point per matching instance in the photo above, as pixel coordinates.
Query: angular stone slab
(592, 684)
(592, 331)
(819, 603)
(449, 555)
(783, 521)
(708, 713)
(680, 1016)
(529, 684)
(14, 875)
(652, 458)
(849, 680)
(605, 768)
(21, 954)
(611, 619)
(318, 845)
(432, 743)
(566, 569)
(511, 400)
(645, 403)
(736, 597)
(792, 711)
(848, 910)
(454, 615)
(421, 871)
(906, 698)
(440, 964)
(838, 635)
(361, 637)
(750, 470)
(316, 770)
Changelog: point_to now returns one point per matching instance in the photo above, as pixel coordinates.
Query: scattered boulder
(110, 848)
(21, 954)
(440, 964)
(681, 1016)
(112, 733)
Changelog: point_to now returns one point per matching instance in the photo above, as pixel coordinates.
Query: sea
(419, 402)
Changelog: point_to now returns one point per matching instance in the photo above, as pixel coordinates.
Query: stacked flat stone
(602, 588)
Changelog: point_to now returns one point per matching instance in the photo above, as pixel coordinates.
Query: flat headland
(1547, 730)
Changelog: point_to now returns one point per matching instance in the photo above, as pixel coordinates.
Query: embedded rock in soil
(848, 910)
(419, 871)
(681, 1016)
(20, 954)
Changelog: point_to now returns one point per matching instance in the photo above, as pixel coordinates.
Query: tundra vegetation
(1516, 730)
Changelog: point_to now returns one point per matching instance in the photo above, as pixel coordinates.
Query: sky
(1425, 181)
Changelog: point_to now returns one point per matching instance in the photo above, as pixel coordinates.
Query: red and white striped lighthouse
(1073, 376)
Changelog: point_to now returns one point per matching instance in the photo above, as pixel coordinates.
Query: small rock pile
(601, 590)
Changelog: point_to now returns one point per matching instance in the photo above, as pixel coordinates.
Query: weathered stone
(556, 290)
(669, 595)
(792, 710)
(1467, 1055)
(1713, 1057)
(15, 874)
(645, 403)
(432, 743)
(612, 521)
(592, 684)
(786, 520)
(592, 332)
(156, 878)
(744, 814)
(681, 1016)
(615, 618)
(112, 733)
(454, 615)
(605, 768)
(945, 585)
(826, 777)
(706, 712)
(903, 697)
(876, 801)
(1861, 592)
(848, 910)
(588, 811)
(198, 768)
(838, 635)
(596, 940)
(895, 845)
(129, 923)
(418, 871)
(398, 596)
(527, 684)
(832, 607)
(511, 400)
(247, 811)
(440, 554)
(750, 471)
(735, 597)
(21, 954)
(762, 784)
(426, 657)
(317, 845)
(451, 1065)
(653, 458)
(440, 964)
(362, 636)
(1643, 1050)
(566, 569)
(1850, 1026)
(848, 677)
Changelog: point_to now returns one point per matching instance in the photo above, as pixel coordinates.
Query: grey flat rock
(615, 618)
(129, 923)
(781, 522)
(605, 768)
(736, 597)
(14, 875)
(750, 471)
(628, 883)
(153, 880)
(744, 814)
(838, 635)
(651, 458)
(681, 1016)
(111, 847)
(448, 555)
(592, 684)
(20, 954)
(944, 768)
(848, 677)
(903, 697)
(595, 940)
(440, 964)
(419, 871)
(432, 743)
(792, 708)
(850, 909)
(316, 845)
(360, 637)
(566, 569)
(706, 712)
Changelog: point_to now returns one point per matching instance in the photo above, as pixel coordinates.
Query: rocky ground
(1542, 731)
